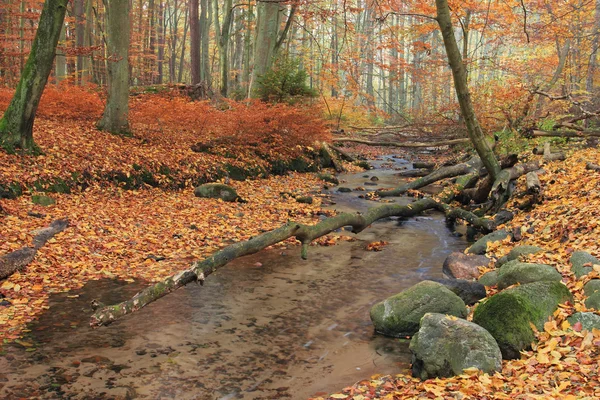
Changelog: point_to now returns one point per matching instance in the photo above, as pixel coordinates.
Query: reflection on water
(267, 326)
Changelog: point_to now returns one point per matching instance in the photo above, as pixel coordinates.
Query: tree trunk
(161, 41)
(79, 7)
(194, 43)
(223, 43)
(267, 30)
(16, 126)
(480, 142)
(204, 43)
(116, 111)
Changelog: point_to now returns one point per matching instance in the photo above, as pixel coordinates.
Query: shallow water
(267, 326)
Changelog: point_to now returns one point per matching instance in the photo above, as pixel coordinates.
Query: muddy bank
(266, 326)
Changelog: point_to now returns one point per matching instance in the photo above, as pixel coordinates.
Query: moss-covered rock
(480, 246)
(399, 315)
(328, 178)
(217, 191)
(588, 320)
(582, 262)
(304, 199)
(515, 272)
(445, 346)
(593, 301)
(508, 314)
(517, 252)
(592, 287)
(489, 278)
(42, 200)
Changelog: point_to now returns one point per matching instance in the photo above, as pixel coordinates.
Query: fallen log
(405, 144)
(533, 184)
(422, 164)
(19, 259)
(549, 156)
(474, 164)
(413, 173)
(500, 193)
(335, 162)
(564, 134)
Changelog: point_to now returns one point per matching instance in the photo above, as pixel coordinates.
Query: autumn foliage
(249, 137)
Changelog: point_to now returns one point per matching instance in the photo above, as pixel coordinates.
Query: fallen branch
(200, 270)
(534, 186)
(413, 173)
(19, 259)
(474, 164)
(564, 134)
(405, 144)
(549, 156)
(500, 189)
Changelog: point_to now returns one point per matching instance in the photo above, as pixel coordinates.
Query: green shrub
(284, 82)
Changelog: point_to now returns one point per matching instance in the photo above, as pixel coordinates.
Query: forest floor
(565, 362)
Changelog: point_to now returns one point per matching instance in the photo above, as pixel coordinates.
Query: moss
(508, 314)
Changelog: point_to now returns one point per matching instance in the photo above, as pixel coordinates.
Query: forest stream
(266, 326)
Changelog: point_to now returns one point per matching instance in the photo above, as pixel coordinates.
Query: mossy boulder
(588, 320)
(400, 314)
(304, 199)
(469, 291)
(582, 262)
(515, 272)
(445, 346)
(42, 200)
(489, 278)
(592, 287)
(593, 301)
(508, 314)
(328, 178)
(217, 191)
(517, 252)
(480, 246)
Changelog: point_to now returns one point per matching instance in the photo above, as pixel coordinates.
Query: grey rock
(579, 259)
(592, 287)
(217, 191)
(344, 190)
(517, 252)
(514, 272)
(588, 320)
(399, 315)
(469, 291)
(489, 278)
(445, 346)
(593, 301)
(480, 246)
(464, 266)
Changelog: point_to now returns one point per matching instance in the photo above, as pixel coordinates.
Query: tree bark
(267, 30)
(16, 126)
(116, 112)
(194, 42)
(459, 73)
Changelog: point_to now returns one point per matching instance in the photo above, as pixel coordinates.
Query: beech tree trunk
(459, 73)
(267, 31)
(194, 42)
(16, 126)
(116, 112)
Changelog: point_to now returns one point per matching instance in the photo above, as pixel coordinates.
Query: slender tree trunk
(182, 58)
(61, 60)
(194, 43)
(480, 142)
(79, 8)
(88, 41)
(248, 46)
(204, 42)
(151, 62)
(16, 126)
(223, 42)
(161, 41)
(116, 111)
(589, 82)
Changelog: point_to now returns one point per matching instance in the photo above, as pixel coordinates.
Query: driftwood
(19, 259)
(404, 144)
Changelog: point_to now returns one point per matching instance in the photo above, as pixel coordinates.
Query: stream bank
(266, 326)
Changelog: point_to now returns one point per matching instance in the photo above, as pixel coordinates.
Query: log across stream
(270, 325)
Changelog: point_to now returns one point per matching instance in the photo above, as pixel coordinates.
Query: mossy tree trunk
(459, 73)
(16, 126)
(116, 111)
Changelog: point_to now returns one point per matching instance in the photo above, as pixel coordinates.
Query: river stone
(469, 291)
(329, 178)
(445, 346)
(304, 199)
(593, 301)
(342, 189)
(42, 200)
(464, 266)
(216, 191)
(517, 252)
(588, 320)
(399, 315)
(508, 314)
(579, 259)
(489, 278)
(480, 246)
(517, 272)
(592, 287)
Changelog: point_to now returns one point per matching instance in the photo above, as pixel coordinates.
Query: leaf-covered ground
(565, 364)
